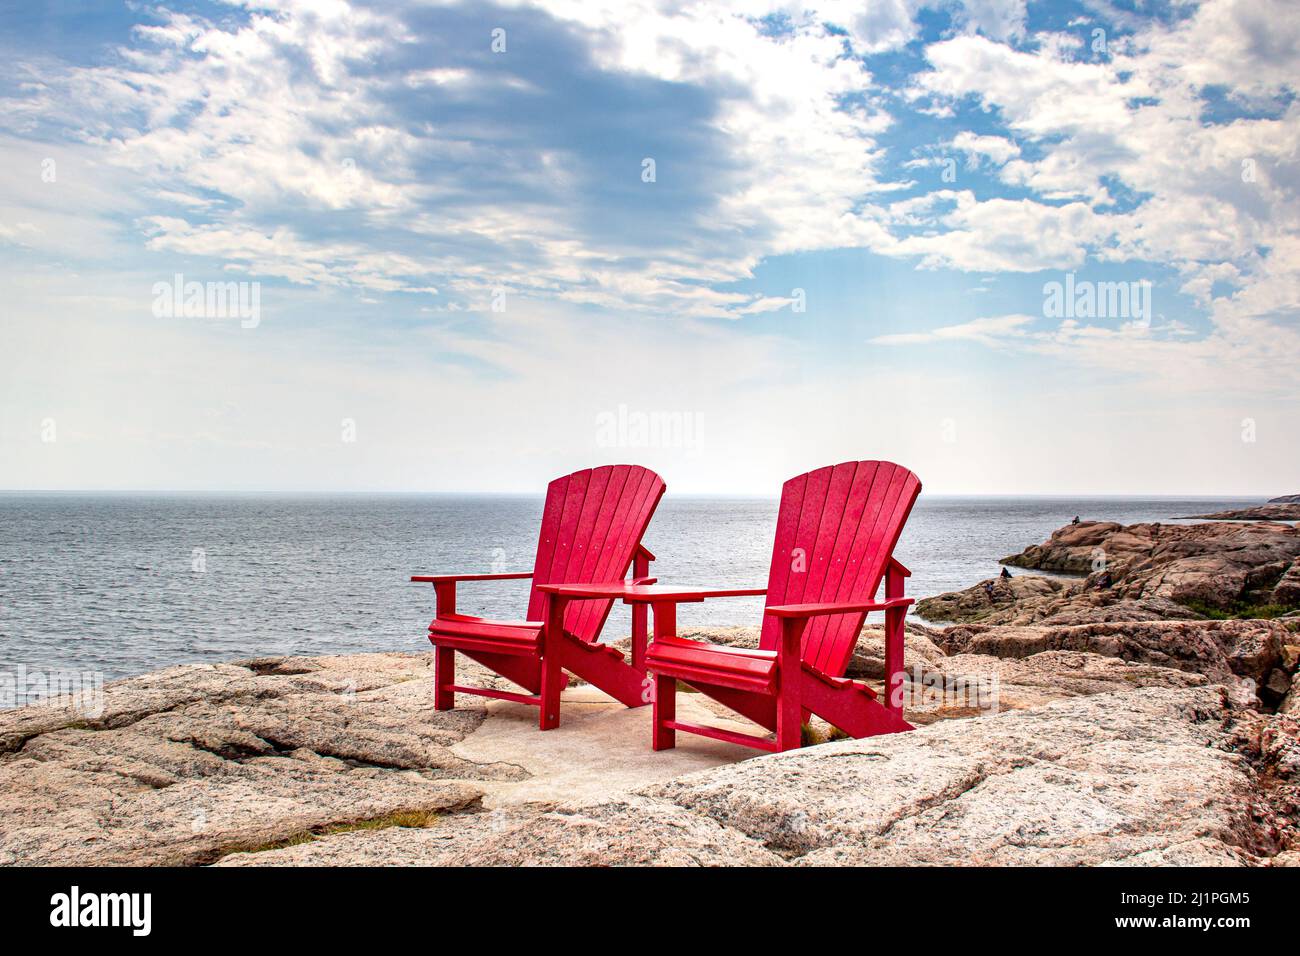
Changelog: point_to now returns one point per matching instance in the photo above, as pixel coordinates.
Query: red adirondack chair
(836, 532)
(592, 525)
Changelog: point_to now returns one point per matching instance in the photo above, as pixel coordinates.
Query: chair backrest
(592, 522)
(835, 532)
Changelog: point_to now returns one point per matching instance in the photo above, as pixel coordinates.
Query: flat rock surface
(960, 685)
(1158, 776)
(600, 746)
(186, 765)
(1077, 758)
(182, 765)
(1104, 779)
(623, 830)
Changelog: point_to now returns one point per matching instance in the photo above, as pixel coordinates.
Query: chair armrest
(444, 586)
(453, 578)
(820, 610)
(645, 593)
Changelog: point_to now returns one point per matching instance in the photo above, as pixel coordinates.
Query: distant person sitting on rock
(988, 589)
(1006, 575)
(1076, 520)
(1104, 581)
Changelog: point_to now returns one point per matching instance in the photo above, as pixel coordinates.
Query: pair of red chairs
(835, 536)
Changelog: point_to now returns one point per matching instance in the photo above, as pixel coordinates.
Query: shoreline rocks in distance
(1285, 499)
(1218, 566)
(1219, 600)
(1273, 511)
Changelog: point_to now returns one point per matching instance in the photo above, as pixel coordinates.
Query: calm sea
(124, 583)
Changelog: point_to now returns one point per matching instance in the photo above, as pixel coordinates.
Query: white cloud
(223, 123)
(998, 149)
(1248, 45)
(233, 133)
(1218, 202)
(988, 331)
(999, 19)
(996, 235)
(875, 27)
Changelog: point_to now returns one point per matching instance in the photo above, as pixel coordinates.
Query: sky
(1020, 247)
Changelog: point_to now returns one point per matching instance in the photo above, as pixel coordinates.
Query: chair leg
(444, 676)
(553, 682)
(894, 675)
(665, 708)
(789, 701)
(789, 717)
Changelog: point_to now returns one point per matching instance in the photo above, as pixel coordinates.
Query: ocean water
(119, 584)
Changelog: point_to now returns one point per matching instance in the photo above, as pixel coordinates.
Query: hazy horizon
(539, 494)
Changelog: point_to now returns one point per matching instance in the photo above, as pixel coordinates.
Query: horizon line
(539, 493)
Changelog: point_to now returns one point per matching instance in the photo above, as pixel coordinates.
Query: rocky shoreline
(1274, 511)
(1219, 600)
(1135, 720)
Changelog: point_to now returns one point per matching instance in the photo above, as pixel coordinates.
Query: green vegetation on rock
(1238, 610)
